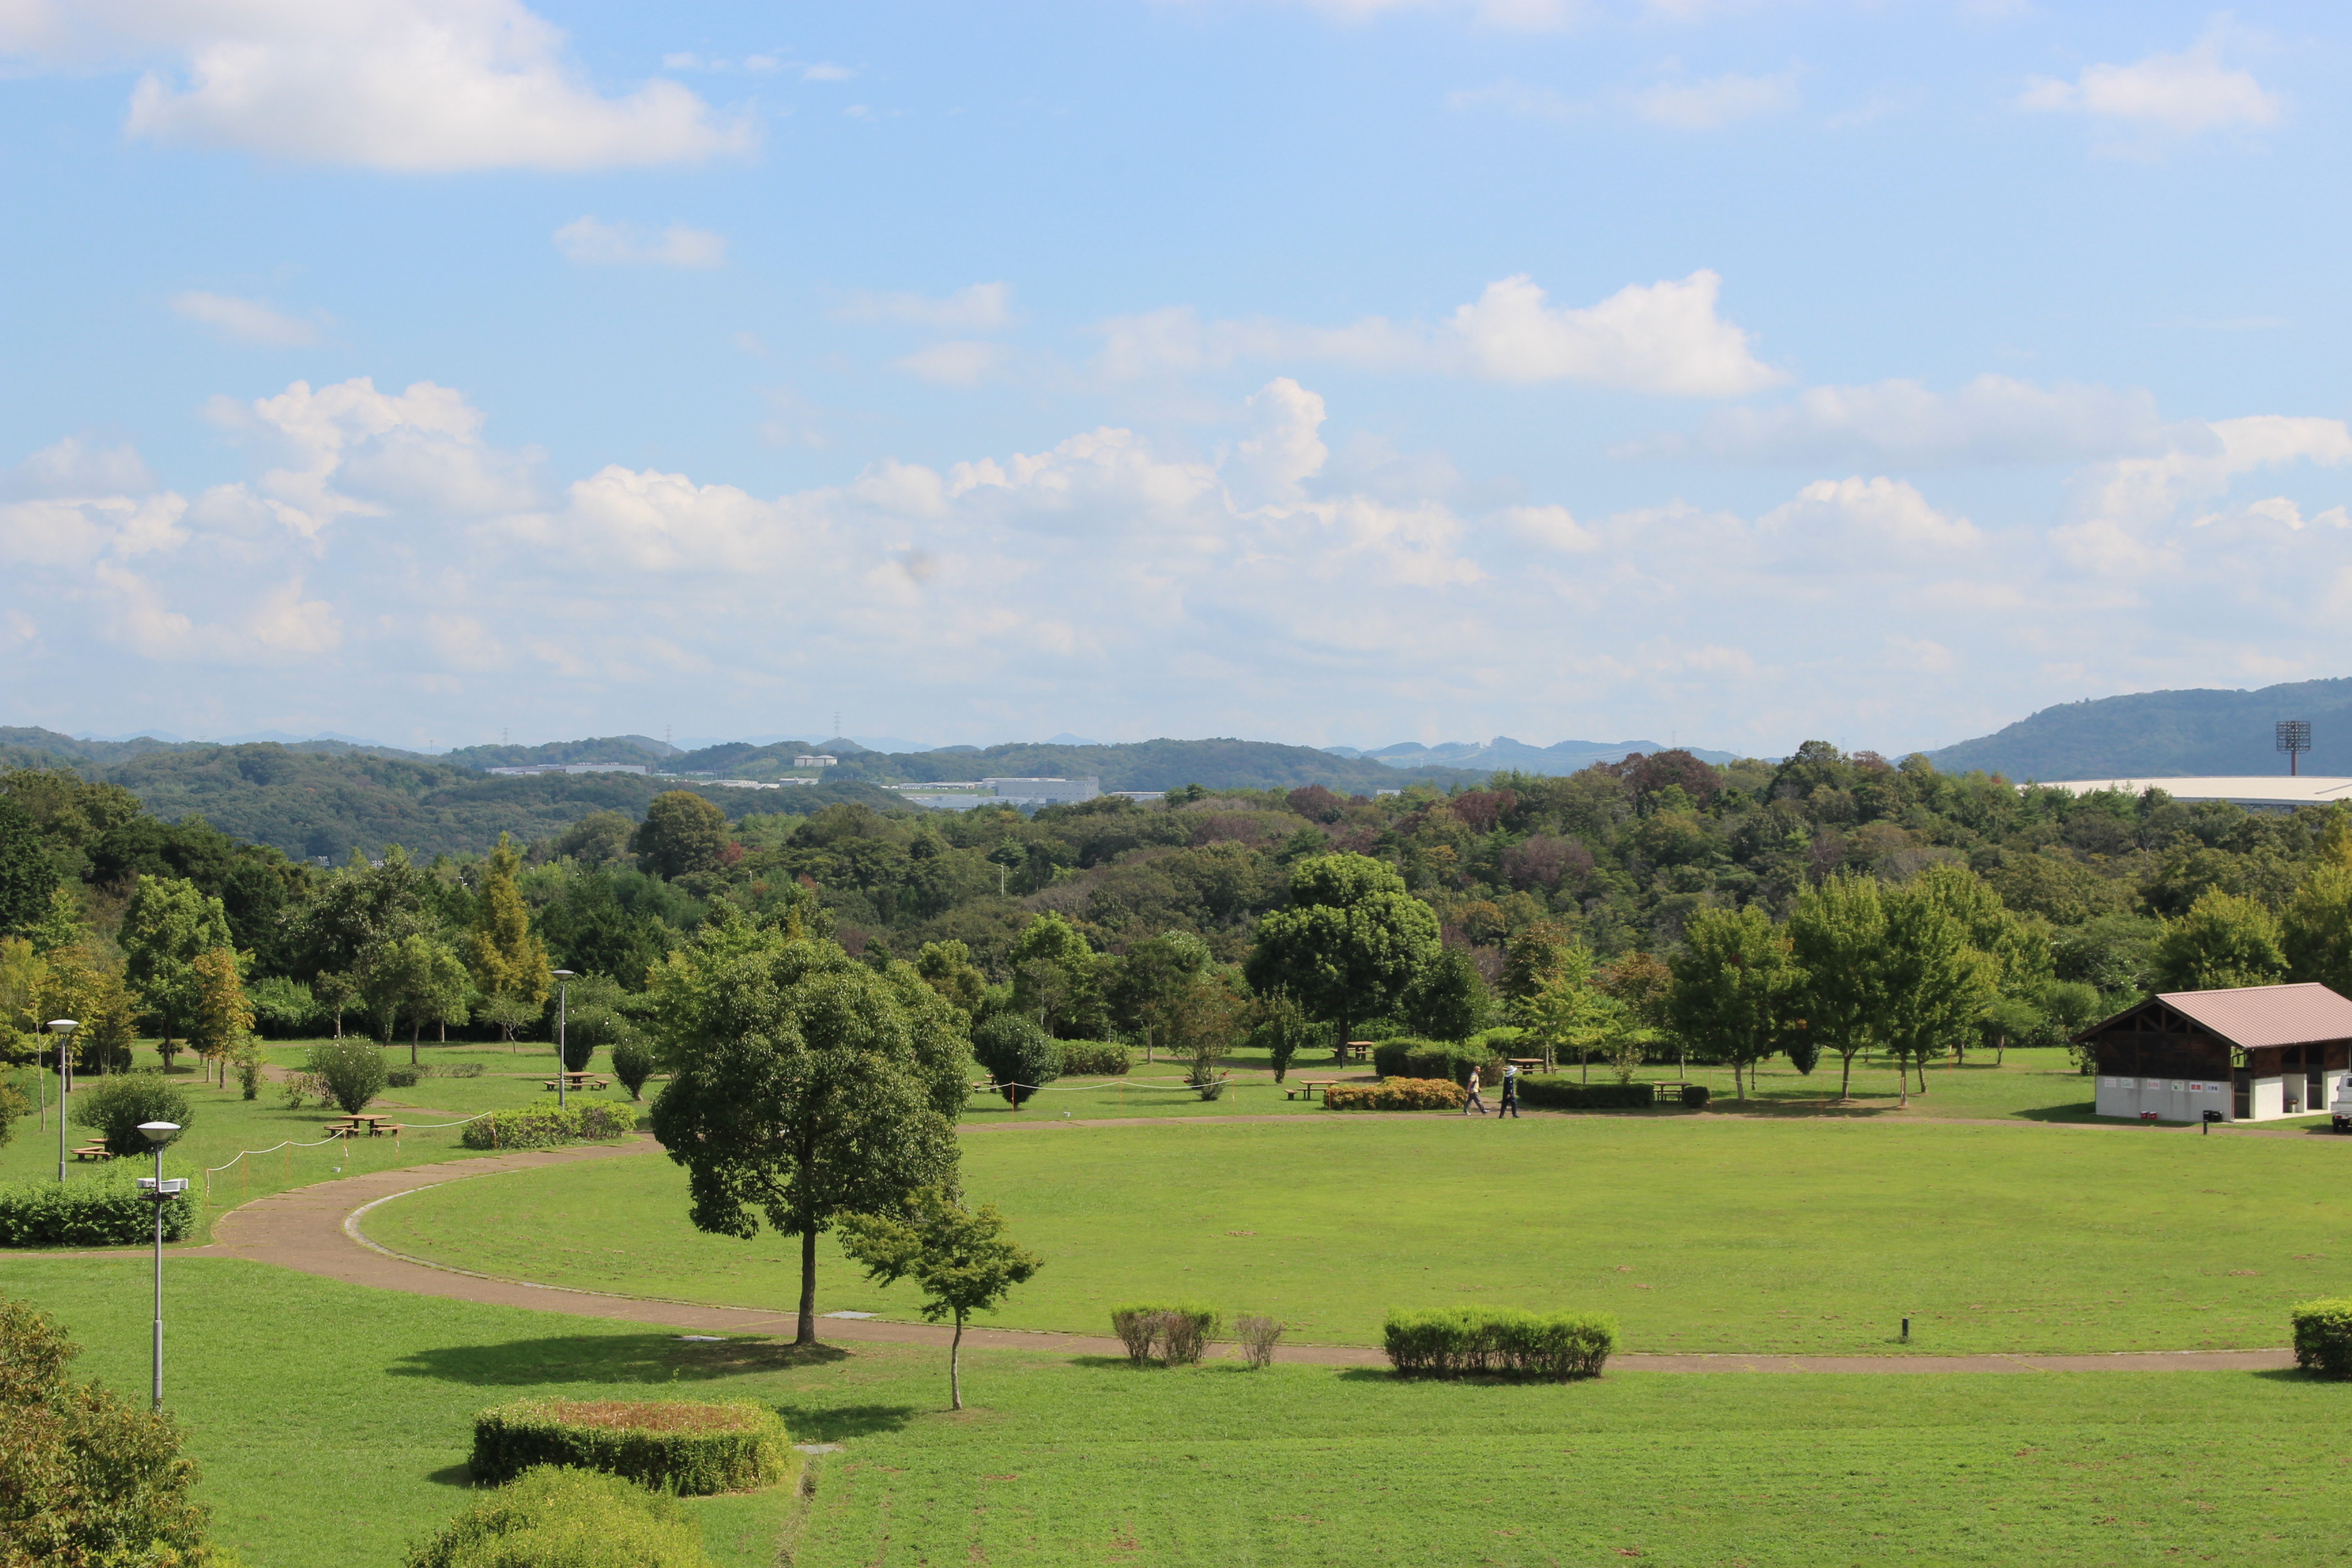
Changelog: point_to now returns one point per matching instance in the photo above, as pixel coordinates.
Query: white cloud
(1551, 527)
(1662, 337)
(1992, 419)
(1514, 96)
(978, 307)
(2183, 93)
(245, 320)
(74, 466)
(1867, 514)
(419, 86)
(1506, 16)
(825, 72)
(2204, 457)
(964, 363)
(1718, 102)
(595, 243)
(1283, 449)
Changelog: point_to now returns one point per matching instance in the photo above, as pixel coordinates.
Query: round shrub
(2323, 1337)
(1017, 1052)
(633, 1063)
(686, 1448)
(113, 1107)
(548, 1126)
(552, 1518)
(352, 1072)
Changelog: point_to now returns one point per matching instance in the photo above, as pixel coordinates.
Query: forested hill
(2166, 734)
(1142, 764)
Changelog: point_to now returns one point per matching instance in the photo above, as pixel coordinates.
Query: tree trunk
(807, 1333)
(1846, 1079)
(955, 1366)
(414, 1029)
(1903, 1083)
(1339, 1046)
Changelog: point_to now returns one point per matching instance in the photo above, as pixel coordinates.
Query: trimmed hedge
(100, 1210)
(1486, 1341)
(690, 1448)
(1396, 1094)
(552, 1518)
(1411, 1057)
(1093, 1058)
(1552, 1092)
(2323, 1337)
(548, 1126)
(1177, 1335)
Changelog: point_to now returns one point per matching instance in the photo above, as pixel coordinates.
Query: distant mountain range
(1502, 751)
(2168, 734)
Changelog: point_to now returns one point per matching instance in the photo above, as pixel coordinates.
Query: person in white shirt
(1473, 1102)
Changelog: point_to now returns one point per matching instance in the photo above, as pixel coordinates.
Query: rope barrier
(289, 1145)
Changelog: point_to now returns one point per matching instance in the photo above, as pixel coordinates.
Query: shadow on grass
(609, 1358)
(839, 1423)
(2082, 1111)
(452, 1476)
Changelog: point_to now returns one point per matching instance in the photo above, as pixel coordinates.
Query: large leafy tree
(1152, 977)
(28, 875)
(1734, 983)
(1448, 998)
(1349, 944)
(2224, 940)
(682, 832)
(1838, 932)
(360, 907)
(1057, 978)
(166, 927)
(418, 979)
(2316, 933)
(506, 956)
(1933, 984)
(804, 1086)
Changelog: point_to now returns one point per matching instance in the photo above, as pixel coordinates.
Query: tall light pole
(563, 1010)
(63, 1029)
(161, 1192)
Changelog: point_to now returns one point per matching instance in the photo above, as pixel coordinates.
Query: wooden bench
(93, 1151)
(1527, 1064)
(581, 1080)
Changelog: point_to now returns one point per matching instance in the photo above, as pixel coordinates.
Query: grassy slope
(334, 1434)
(1715, 1234)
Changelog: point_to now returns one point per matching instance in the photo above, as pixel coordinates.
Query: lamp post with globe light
(63, 1029)
(160, 1192)
(562, 1058)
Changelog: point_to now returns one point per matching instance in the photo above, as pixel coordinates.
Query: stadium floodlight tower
(2294, 738)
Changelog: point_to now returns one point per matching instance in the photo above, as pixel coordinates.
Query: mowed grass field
(1699, 1234)
(332, 1424)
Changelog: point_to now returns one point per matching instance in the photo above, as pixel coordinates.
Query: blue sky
(1337, 372)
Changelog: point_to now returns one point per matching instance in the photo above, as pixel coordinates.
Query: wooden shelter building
(2252, 1054)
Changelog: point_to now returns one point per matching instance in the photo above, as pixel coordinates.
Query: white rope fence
(344, 1136)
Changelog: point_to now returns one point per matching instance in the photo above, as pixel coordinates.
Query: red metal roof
(2253, 1017)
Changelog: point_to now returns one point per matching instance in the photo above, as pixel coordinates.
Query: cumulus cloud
(1716, 102)
(596, 243)
(964, 363)
(1992, 419)
(75, 467)
(2183, 93)
(245, 320)
(1869, 515)
(418, 86)
(1665, 337)
(977, 307)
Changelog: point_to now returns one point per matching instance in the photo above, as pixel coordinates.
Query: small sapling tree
(959, 1258)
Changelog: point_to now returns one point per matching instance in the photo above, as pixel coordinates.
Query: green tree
(28, 875)
(1734, 984)
(2224, 940)
(223, 1019)
(506, 957)
(63, 924)
(1837, 931)
(1349, 942)
(597, 840)
(1530, 958)
(360, 908)
(1018, 1054)
(1148, 978)
(350, 1071)
(804, 1086)
(1933, 986)
(946, 967)
(1448, 998)
(959, 1257)
(682, 832)
(84, 1477)
(2316, 932)
(167, 925)
(418, 978)
(1056, 979)
(1571, 1014)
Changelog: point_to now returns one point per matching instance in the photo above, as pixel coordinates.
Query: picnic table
(1297, 1088)
(1530, 1064)
(1355, 1050)
(352, 1126)
(93, 1151)
(583, 1081)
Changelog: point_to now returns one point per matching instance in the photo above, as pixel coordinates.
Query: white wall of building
(2172, 1100)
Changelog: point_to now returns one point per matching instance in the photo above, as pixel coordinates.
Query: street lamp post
(161, 1192)
(63, 1029)
(563, 1058)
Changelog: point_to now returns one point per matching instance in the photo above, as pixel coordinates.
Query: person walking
(1511, 1106)
(1473, 1102)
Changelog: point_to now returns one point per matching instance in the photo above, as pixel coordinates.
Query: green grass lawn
(1700, 1234)
(332, 1424)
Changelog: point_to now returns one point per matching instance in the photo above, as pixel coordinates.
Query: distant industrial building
(2252, 1054)
(816, 760)
(2253, 793)
(965, 793)
(534, 769)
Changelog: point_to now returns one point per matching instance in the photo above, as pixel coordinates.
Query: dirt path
(319, 1230)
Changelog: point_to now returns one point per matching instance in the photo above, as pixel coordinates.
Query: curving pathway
(317, 1230)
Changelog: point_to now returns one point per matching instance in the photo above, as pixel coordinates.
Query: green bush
(633, 1063)
(283, 1009)
(404, 1077)
(1473, 1341)
(549, 1126)
(113, 1106)
(103, 1208)
(1548, 1092)
(1696, 1095)
(352, 1072)
(1397, 1094)
(1093, 1058)
(2323, 1337)
(1408, 1056)
(1175, 1335)
(690, 1448)
(552, 1518)
(1016, 1051)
